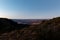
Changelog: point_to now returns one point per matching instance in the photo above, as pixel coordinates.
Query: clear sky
(29, 9)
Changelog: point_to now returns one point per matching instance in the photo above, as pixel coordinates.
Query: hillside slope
(46, 30)
(7, 25)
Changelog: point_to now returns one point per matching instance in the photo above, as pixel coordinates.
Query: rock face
(46, 30)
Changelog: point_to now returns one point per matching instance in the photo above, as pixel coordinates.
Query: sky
(29, 9)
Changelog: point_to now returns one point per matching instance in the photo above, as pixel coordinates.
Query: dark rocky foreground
(46, 30)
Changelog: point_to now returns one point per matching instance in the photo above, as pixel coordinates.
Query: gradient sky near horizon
(29, 9)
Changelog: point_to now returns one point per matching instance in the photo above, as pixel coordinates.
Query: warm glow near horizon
(3, 15)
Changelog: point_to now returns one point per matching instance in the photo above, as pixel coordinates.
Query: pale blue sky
(29, 9)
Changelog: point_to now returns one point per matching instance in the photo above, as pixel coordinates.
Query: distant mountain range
(28, 21)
